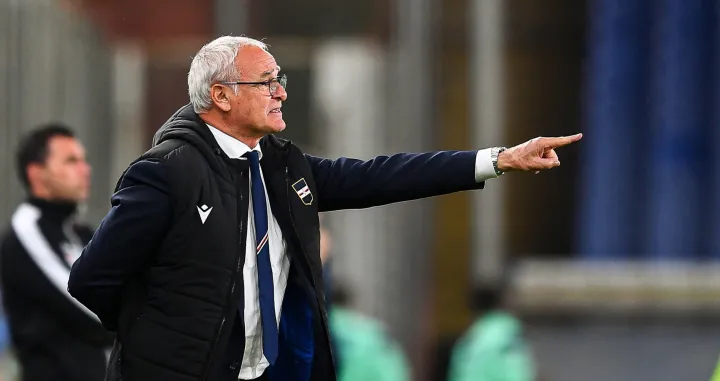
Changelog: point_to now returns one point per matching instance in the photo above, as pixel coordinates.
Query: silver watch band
(494, 153)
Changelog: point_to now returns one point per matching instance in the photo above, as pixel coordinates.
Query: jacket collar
(55, 210)
(185, 124)
(232, 147)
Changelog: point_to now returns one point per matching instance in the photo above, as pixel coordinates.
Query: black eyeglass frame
(281, 81)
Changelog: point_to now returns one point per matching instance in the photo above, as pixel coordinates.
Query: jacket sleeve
(351, 183)
(24, 282)
(124, 241)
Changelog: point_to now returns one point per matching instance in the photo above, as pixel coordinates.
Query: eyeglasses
(273, 84)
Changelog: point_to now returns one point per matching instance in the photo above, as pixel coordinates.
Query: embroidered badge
(303, 191)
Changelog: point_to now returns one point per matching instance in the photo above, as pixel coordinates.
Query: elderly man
(208, 264)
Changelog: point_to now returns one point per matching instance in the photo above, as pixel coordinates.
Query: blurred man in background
(493, 348)
(364, 350)
(54, 337)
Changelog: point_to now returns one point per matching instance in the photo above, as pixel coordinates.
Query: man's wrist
(495, 153)
(504, 163)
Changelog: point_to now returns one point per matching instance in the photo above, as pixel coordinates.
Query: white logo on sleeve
(204, 212)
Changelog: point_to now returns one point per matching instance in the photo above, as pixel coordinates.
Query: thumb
(548, 163)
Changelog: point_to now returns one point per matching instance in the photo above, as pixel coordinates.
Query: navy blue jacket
(169, 284)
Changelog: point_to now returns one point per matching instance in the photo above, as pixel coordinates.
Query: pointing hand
(534, 155)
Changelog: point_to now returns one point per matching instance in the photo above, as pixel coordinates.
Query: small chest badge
(303, 191)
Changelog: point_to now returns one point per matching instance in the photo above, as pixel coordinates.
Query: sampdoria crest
(303, 191)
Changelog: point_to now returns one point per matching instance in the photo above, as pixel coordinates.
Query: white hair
(215, 62)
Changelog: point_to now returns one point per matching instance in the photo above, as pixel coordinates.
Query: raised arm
(351, 183)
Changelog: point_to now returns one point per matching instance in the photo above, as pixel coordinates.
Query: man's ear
(221, 97)
(34, 172)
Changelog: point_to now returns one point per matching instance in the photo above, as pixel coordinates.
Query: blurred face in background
(325, 245)
(65, 174)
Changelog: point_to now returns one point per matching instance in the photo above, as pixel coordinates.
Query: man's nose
(86, 168)
(280, 93)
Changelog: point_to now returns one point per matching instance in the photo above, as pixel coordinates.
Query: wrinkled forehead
(256, 64)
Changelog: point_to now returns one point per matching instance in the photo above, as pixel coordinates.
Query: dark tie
(265, 276)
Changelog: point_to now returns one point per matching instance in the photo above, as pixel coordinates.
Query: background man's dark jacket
(170, 284)
(54, 337)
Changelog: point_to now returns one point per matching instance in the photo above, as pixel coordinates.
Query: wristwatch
(494, 153)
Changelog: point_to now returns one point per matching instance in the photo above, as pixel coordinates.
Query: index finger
(562, 141)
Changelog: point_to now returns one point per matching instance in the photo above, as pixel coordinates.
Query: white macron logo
(204, 212)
